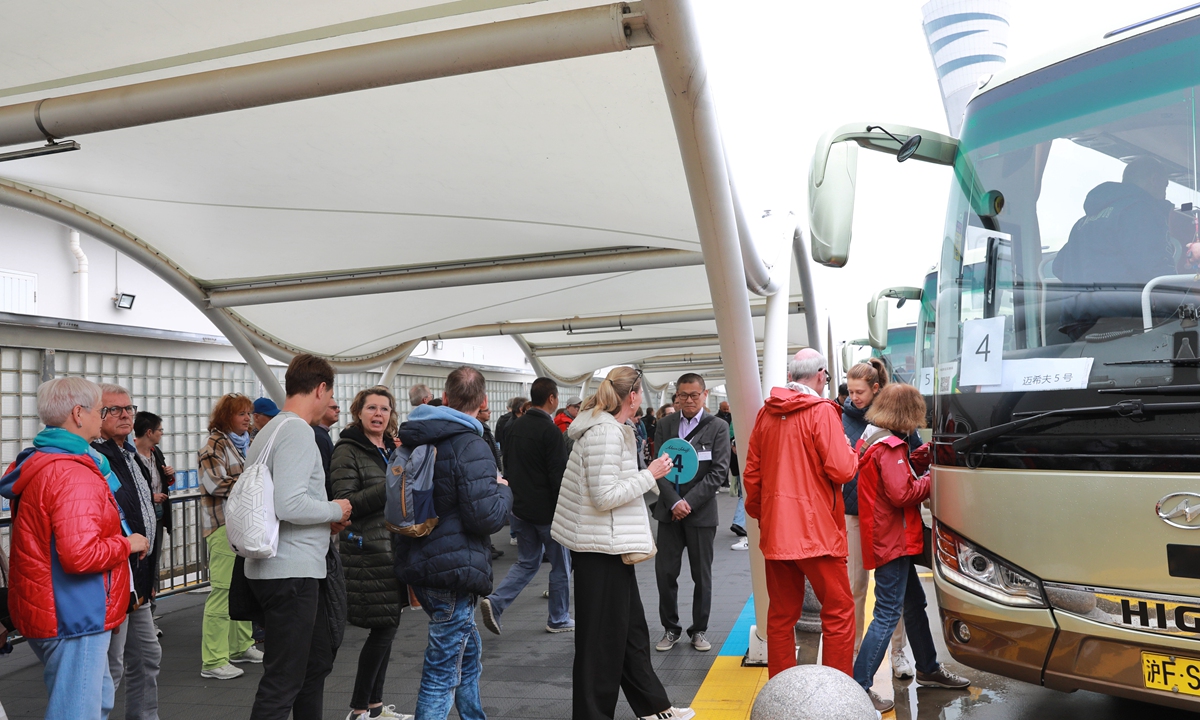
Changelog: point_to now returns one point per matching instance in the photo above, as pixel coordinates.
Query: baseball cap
(574, 401)
(266, 406)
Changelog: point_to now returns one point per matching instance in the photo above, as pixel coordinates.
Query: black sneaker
(497, 554)
(942, 678)
(882, 705)
(737, 530)
(668, 641)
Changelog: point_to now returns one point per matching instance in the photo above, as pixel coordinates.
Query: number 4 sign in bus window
(982, 352)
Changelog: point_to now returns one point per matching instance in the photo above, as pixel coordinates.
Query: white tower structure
(968, 41)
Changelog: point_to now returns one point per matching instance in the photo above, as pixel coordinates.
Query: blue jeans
(897, 588)
(739, 513)
(453, 657)
(76, 676)
(532, 542)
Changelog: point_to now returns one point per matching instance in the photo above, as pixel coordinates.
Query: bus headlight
(976, 570)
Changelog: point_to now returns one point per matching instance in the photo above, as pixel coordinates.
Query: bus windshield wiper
(1132, 409)
(1153, 390)
(1175, 362)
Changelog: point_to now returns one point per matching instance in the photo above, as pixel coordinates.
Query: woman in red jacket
(69, 569)
(889, 497)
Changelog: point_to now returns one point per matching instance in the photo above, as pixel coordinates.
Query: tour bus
(1066, 498)
(908, 350)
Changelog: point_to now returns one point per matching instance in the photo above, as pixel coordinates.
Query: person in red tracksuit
(797, 460)
(890, 493)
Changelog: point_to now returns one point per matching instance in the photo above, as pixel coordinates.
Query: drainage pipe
(490, 46)
(82, 271)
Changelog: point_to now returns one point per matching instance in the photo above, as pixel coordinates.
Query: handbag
(243, 604)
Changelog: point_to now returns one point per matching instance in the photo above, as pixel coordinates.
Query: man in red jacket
(797, 460)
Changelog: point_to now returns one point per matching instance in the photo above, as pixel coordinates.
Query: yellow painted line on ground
(728, 690)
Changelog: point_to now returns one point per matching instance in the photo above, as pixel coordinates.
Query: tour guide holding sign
(687, 512)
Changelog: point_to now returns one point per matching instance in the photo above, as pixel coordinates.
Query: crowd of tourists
(91, 505)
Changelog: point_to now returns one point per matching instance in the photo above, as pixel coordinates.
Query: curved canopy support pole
(389, 373)
(775, 337)
(66, 213)
(689, 95)
(540, 368)
(812, 310)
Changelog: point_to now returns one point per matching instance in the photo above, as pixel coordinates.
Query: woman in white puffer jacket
(602, 519)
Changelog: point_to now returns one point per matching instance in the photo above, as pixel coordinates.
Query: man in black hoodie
(134, 653)
(451, 567)
(535, 455)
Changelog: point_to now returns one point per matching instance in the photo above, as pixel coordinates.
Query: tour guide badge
(684, 461)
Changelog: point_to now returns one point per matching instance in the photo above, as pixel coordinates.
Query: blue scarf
(241, 442)
(55, 439)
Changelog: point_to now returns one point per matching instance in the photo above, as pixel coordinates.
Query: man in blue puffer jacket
(450, 568)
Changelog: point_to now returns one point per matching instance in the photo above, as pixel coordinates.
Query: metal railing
(183, 558)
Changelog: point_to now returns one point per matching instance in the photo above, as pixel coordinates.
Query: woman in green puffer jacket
(373, 593)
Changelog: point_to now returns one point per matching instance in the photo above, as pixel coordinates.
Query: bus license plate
(1171, 673)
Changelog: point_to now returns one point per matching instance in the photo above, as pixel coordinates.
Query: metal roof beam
(448, 275)
(599, 322)
(509, 43)
(559, 349)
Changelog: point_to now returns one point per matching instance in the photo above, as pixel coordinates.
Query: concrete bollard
(812, 692)
(810, 619)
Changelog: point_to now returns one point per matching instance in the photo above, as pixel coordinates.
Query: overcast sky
(785, 71)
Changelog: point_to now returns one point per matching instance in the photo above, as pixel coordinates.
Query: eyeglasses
(118, 410)
(688, 396)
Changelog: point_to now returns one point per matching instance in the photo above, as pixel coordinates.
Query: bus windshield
(1085, 280)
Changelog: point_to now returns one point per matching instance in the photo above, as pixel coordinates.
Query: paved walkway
(526, 674)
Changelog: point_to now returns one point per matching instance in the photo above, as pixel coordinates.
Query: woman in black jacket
(374, 595)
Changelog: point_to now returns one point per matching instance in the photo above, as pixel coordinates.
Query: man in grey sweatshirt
(299, 652)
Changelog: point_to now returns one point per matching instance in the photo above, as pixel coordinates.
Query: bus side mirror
(877, 312)
(831, 181)
(833, 174)
(848, 352)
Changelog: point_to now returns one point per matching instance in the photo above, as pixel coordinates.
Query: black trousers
(673, 539)
(612, 642)
(299, 649)
(372, 668)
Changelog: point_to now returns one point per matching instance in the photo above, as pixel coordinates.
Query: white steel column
(693, 110)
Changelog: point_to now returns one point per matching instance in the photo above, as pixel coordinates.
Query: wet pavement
(527, 672)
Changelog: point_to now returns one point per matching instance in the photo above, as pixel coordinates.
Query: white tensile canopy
(348, 178)
(574, 160)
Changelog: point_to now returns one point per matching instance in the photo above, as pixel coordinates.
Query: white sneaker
(252, 655)
(672, 713)
(512, 541)
(225, 672)
(902, 667)
(387, 711)
(741, 544)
